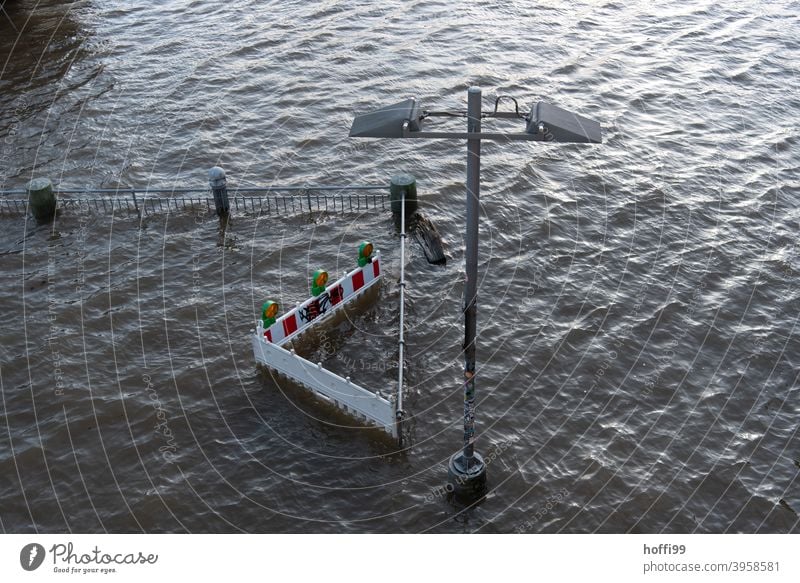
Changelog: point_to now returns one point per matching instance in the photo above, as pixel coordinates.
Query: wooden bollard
(42, 199)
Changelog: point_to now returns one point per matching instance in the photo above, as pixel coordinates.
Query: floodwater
(638, 301)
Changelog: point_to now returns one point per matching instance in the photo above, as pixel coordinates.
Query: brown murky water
(638, 302)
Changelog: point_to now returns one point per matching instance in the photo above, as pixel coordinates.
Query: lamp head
(555, 124)
(387, 122)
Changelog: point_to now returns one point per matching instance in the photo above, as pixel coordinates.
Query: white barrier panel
(346, 395)
(316, 308)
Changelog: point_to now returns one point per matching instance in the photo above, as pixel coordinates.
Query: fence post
(42, 199)
(219, 187)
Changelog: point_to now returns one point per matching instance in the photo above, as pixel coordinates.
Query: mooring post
(467, 470)
(42, 199)
(219, 187)
(403, 195)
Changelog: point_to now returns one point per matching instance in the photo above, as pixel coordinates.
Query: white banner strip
(390, 558)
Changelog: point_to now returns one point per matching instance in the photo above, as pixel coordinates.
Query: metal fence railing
(261, 201)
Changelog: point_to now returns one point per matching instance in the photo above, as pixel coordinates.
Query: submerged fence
(265, 200)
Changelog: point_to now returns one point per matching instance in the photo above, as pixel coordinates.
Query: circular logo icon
(31, 556)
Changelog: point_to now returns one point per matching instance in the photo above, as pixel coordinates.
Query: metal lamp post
(544, 122)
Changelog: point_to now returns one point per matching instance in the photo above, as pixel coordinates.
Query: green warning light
(364, 253)
(318, 282)
(268, 313)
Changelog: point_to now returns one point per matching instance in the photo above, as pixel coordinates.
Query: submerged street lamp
(544, 122)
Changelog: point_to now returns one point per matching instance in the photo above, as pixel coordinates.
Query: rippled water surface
(638, 349)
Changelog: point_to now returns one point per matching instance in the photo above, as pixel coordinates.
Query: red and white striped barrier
(318, 308)
(366, 405)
